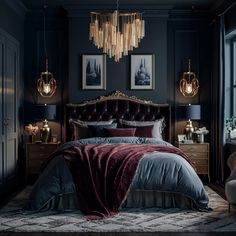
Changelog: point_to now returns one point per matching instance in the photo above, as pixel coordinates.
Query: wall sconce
(46, 84)
(189, 112)
(189, 84)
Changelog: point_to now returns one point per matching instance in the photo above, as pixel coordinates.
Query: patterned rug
(129, 220)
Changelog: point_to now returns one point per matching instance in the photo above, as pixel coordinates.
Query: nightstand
(36, 154)
(199, 154)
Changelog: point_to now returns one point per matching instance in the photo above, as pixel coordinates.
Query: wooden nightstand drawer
(35, 166)
(41, 153)
(41, 148)
(194, 147)
(200, 161)
(37, 154)
(199, 154)
(202, 169)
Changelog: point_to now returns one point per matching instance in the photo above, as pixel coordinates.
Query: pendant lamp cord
(117, 5)
(44, 35)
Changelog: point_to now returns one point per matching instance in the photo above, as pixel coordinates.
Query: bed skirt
(152, 198)
(135, 199)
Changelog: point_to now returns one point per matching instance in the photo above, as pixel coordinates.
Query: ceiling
(178, 4)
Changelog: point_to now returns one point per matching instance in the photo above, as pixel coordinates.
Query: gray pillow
(158, 125)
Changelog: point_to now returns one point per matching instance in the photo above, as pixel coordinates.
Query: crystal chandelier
(46, 84)
(117, 33)
(189, 84)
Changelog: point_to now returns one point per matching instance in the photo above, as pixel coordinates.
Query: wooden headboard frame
(118, 106)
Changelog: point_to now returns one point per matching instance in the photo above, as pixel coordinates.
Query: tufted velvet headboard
(118, 106)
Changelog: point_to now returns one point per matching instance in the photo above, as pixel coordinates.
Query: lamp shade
(42, 112)
(189, 112)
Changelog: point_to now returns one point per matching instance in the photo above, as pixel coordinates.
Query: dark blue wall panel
(118, 74)
(230, 20)
(189, 40)
(11, 22)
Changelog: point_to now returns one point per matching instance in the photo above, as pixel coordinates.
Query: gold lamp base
(45, 132)
(189, 130)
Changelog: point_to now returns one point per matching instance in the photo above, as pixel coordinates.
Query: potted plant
(200, 132)
(31, 131)
(231, 127)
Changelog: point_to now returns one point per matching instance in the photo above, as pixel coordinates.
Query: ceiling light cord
(46, 83)
(117, 5)
(44, 36)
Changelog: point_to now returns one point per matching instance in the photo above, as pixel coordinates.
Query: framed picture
(94, 71)
(181, 138)
(142, 71)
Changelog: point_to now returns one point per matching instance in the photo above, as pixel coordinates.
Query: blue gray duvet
(165, 172)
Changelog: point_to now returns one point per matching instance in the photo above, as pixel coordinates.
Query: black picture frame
(93, 71)
(142, 72)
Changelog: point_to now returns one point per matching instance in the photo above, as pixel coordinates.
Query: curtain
(218, 82)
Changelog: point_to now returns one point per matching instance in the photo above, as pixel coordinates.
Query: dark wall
(172, 39)
(11, 22)
(189, 40)
(118, 74)
(56, 47)
(230, 20)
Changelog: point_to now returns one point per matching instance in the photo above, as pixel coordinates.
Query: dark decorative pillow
(121, 132)
(142, 131)
(81, 130)
(100, 130)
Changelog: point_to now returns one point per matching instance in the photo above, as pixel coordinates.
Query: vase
(200, 138)
(233, 134)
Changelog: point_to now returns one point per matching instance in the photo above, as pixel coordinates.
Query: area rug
(129, 220)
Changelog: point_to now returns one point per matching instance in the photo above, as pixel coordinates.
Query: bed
(118, 155)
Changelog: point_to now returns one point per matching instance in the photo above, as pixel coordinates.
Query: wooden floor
(120, 234)
(218, 188)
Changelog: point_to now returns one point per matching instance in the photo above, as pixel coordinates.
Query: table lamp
(45, 112)
(189, 112)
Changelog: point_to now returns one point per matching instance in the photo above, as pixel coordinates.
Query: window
(230, 77)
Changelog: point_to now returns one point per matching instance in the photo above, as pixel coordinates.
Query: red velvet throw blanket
(103, 173)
